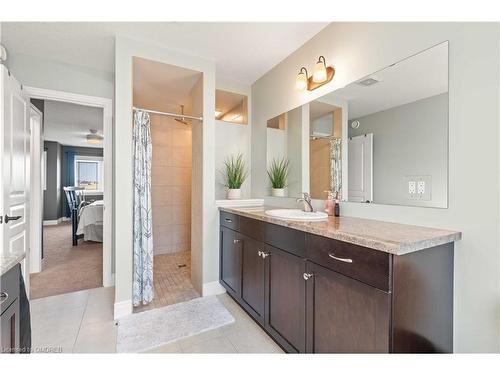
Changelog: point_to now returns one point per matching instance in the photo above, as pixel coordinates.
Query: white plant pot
(278, 192)
(234, 194)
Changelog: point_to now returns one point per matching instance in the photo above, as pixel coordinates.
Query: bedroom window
(89, 173)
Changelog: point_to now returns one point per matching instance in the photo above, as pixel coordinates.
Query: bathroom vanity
(344, 285)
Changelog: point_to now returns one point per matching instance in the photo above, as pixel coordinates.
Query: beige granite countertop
(391, 238)
(7, 261)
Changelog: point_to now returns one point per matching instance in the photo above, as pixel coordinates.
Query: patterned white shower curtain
(336, 165)
(143, 292)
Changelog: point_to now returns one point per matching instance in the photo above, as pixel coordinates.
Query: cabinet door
(252, 277)
(285, 299)
(230, 261)
(345, 315)
(9, 329)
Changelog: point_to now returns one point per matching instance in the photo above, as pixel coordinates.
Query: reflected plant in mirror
(278, 175)
(380, 139)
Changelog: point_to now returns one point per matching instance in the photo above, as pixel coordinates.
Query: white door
(360, 168)
(14, 169)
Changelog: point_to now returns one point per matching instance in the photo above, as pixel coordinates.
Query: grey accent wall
(52, 208)
(409, 140)
(83, 151)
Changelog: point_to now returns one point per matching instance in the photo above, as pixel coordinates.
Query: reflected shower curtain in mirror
(336, 165)
(143, 292)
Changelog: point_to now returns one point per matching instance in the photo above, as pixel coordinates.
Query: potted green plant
(235, 173)
(278, 174)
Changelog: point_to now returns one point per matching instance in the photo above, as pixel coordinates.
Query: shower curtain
(143, 292)
(336, 165)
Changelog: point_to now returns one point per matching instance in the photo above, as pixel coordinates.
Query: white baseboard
(52, 222)
(110, 282)
(66, 219)
(213, 288)
(123, 308)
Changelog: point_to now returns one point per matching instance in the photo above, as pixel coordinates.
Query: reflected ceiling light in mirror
(322, 74)
(302, 79)
(93, 138)
(218, 113)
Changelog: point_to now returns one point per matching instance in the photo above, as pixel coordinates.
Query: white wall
(232, 139)
(125, 49)
(358, 49)
(42, 73)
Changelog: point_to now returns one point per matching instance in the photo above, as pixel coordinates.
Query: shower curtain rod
(168, 114)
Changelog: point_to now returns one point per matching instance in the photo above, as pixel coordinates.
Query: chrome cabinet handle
(236, 241)
(346, 260)
(228, 220)
(264, 254)
(4, 296)
(307, 276)
(259, 253)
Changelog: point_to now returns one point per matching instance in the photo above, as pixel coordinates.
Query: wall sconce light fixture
(322, 74)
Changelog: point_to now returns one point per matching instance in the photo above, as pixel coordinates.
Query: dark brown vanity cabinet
(230, 261)
(314, 294)
(10, 311)
(355, 314)
(285, 299)
(253, 276)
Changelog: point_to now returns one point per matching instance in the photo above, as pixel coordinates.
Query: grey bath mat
(153, 328)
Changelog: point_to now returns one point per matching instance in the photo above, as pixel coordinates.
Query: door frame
(107, 107)
(36, 196)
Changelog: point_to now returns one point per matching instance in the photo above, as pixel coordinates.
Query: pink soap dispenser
(330, 204)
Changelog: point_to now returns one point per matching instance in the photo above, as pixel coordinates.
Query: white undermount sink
(297, 215)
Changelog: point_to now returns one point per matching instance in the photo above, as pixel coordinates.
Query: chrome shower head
(182, 118)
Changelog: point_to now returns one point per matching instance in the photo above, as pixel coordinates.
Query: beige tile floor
(172, 283)
(82, 322)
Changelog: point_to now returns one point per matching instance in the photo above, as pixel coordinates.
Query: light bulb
(301, 81)
(319, 74)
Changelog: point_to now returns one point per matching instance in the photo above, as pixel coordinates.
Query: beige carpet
(67, 268)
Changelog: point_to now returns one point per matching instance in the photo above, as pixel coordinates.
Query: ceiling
(68, 123)
(415, 78)
(242, 51)
(162, 87)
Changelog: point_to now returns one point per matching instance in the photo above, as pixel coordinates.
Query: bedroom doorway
(76, 162)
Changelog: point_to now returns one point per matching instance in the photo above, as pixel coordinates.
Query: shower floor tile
(172, 280)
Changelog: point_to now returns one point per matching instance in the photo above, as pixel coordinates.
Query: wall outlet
(421, 187)
(412, 187)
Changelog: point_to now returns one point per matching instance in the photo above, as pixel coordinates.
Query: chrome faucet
(306, 200)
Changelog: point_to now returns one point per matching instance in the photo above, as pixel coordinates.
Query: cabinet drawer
(229, 220)
(290, 240)
(252, 228)
(367, 265)
(9, 285)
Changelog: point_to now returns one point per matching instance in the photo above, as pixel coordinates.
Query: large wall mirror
(382, 139)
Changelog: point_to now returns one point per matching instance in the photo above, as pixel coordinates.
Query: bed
(90, 222)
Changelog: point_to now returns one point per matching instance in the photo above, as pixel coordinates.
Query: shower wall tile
(162, 156)
(163, 215)
(171, 185)
(161, 195)
(181, 156)
(181, 233)
(180, 195)
(181, 214)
